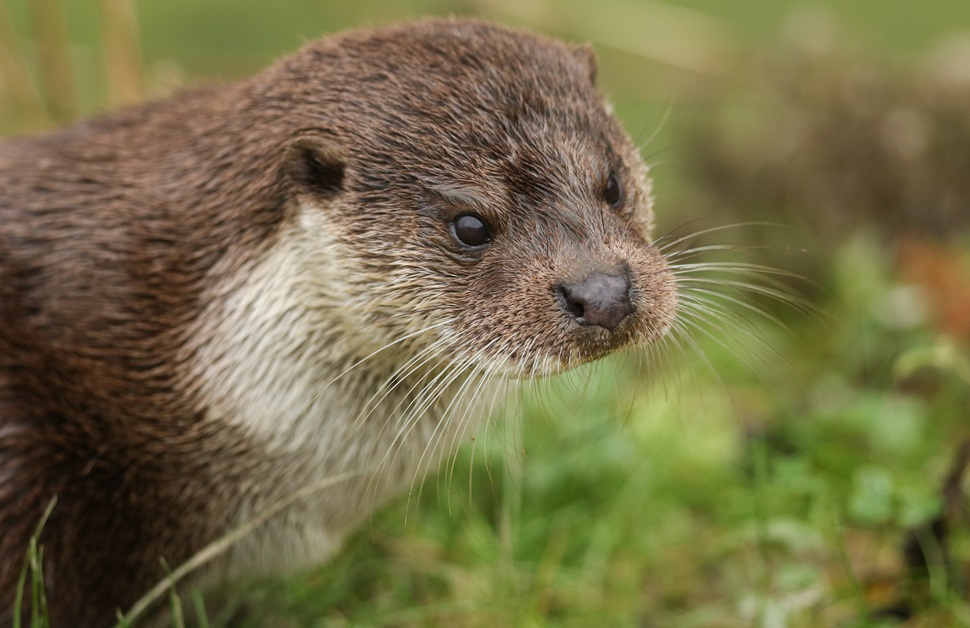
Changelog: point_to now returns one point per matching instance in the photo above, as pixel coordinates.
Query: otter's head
(489, 208)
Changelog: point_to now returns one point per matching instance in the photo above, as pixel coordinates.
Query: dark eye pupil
(613, 193)
(471, 230)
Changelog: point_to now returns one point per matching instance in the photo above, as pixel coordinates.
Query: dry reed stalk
(55, 60)
(15, 77)
(119, 31)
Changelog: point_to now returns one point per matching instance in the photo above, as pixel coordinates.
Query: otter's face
(502, 215)
(553, 267)
(546, 285)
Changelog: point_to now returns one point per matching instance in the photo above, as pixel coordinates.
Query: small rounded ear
(585, 54)
(314, 166)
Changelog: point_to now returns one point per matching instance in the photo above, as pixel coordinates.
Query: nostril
(572, 304)
(599, 299)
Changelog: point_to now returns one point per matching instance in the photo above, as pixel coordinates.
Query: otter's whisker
(663, 245)
(411, 407)
(459, 370)
(397, 341)
(486, 378)
(705, 320)
(402, 374)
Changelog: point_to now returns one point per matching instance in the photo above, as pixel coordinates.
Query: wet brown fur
(123, 238)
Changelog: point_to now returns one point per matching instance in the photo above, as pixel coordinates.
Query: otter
(328, 270)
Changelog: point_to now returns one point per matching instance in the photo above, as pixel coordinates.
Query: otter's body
(213, 301)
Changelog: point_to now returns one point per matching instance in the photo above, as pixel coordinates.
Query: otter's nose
(599, 299)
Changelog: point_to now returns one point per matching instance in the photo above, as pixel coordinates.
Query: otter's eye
(470, 230)
(613, 193)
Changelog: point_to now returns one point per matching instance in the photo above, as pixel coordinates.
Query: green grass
(31, 580)
(771, 482)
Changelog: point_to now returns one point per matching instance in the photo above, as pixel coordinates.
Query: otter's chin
(573, 357)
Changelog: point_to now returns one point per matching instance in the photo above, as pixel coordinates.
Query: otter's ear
(585, 54)
(314, 166)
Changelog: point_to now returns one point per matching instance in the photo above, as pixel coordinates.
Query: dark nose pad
(600, 299)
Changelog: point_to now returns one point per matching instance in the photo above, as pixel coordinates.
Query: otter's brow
(464, 196)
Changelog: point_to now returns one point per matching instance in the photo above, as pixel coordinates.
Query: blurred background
(800, 460)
